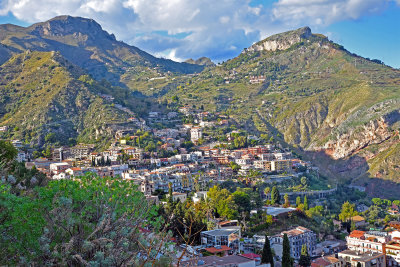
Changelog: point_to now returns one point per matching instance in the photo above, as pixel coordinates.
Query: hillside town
(185, 163)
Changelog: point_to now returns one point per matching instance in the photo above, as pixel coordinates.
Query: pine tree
(266, 256)
(286, 259)
(305, 203)
(305, 259)
(275, 196)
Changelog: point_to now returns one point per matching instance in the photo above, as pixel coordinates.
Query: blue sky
(181, 29)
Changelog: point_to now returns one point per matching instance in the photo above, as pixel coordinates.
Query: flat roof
(220, 232)
(364, 257)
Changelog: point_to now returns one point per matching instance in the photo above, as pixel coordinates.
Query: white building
(298, 237)
(58, 167)
(195, 134)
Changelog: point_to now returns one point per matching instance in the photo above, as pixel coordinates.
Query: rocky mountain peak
(282, 41)
(204, 61)
(62, 26)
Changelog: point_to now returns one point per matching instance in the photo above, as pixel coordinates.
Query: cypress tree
(170, 199)
(266, 256)
(287, 201)
(298, 201)
(305, 259)
(275, 196)
(286, 259)
(305, 203)
(358, 264)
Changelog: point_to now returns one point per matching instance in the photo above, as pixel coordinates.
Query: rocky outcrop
(282, 41)
(374, 132)
(79, 28)
(203, 61)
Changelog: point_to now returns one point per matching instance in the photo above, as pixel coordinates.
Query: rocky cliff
(282, 41)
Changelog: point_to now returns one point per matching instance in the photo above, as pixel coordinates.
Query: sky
(221, 29)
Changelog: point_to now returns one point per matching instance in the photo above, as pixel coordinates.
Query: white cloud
(324, 12)
(218, 29)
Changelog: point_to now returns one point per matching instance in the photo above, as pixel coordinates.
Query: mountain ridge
(83, 42)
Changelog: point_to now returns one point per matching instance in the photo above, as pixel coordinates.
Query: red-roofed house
(328, 261)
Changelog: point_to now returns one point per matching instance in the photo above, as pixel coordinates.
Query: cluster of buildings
(365, 249)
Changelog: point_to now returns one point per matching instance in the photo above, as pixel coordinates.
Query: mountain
(331, 106)
(46, 99)
(84, 43)
(203, 61)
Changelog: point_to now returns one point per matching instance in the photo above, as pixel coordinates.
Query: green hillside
(314, 95)
(46, 99)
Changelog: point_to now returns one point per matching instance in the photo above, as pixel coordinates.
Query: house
(221, 237)
(394, 224)
(298, 237)
(74, 171)
(365, 242)
(367, 259)
(17, 144)
(60, 176)
(328, 261)
(393, 252)
(196, 133)
(178, 196)
(3, 128)
(58, 167)
(152, 199)
(21, 156)
(358, 220)
(146, 187)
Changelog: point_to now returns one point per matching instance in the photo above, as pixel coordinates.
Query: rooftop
(220, 232)
(364, 257)
(357, 234)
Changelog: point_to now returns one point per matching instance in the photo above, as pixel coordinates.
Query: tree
(242, 200)
(347, 212)
(275, 196)
(298, 201)
(287, 202)
(267, 190)
(73, 222)
(7, 152)
(303, 180)
(266, 256)
(170, 198)
(286, 259)
(305, 259)
(305, 203)
(359, 264)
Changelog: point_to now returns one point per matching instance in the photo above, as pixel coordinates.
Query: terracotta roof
(357, 218)
(320, 262)
(214, 250)
(357, 234)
